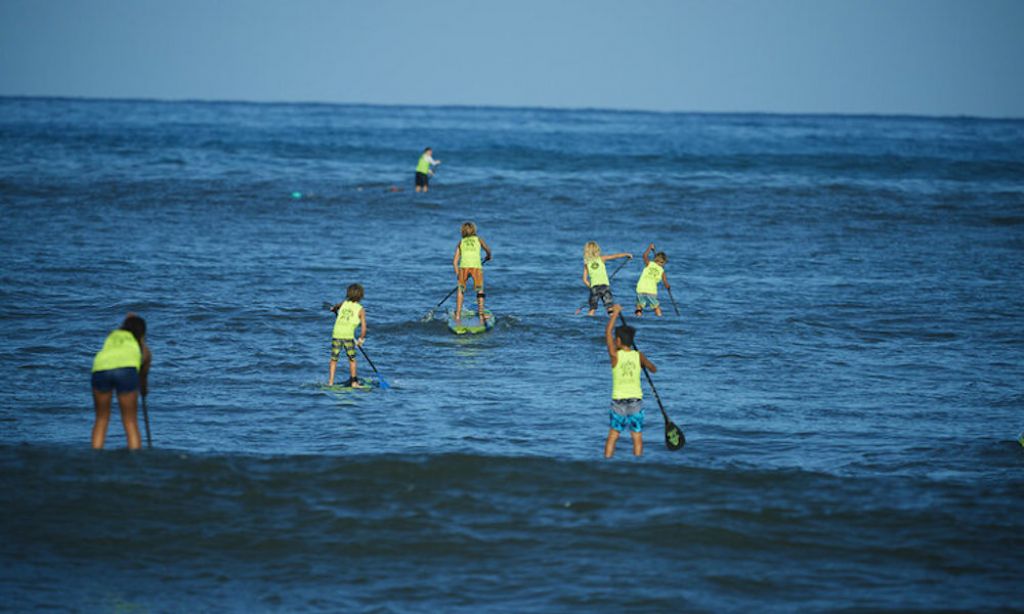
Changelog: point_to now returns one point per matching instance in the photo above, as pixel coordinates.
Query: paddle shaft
(446, 297)
(674, 305)
(372, 366)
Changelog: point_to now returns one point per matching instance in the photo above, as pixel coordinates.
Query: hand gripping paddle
(610, 278)
(674, 437)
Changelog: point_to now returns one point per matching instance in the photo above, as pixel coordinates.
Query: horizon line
(498, 107)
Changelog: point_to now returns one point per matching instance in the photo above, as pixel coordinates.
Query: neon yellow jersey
(347, 321)
(597, 272)
(423, 166)
(120, 350)
(648, 282)
(626, 376)
(469, 253)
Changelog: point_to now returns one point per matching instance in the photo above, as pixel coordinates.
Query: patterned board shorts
(647, 300)
(348, 344)
(602, 292)
(626, 414)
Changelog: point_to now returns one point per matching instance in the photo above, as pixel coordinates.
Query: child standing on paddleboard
(595, 275)
(647, 285)
(467, 266)
(122, 366)
(350, 315)
(627, 411)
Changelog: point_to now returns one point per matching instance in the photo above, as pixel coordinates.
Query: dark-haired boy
(627, 397)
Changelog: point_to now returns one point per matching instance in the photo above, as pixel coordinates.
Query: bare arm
(647, 364)
(362, 321)
(147, 360)
(619, 255)
(586, 277)
(455, 261)
(609, 337)
(647, 252)
(664, 280)
(487, 248)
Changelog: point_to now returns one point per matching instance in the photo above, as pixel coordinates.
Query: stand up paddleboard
(366, 384)
(470, 322)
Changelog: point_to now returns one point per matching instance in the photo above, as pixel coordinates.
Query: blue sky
(930, 57)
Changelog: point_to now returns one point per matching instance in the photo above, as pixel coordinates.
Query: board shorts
(478, 279)
(348, 344)
(602, 292)
(647, 300)
(626, 414)
(125, 379)
(422, 179)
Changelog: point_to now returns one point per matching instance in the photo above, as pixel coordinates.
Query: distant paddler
(122, 366)
(424, 169)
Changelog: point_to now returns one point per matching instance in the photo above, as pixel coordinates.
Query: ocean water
(847, 365)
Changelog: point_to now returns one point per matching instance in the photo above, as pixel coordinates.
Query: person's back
(468, 265)
(350, 315)
(626, 412)
(120, 367)
(647, 285)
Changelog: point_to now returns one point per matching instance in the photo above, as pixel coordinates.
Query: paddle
(430, 314)
(145, 417)
(674, 437)
(674, 305)
(610, 278)
(383, 384)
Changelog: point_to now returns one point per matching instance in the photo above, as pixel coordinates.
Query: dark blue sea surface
(848, 365)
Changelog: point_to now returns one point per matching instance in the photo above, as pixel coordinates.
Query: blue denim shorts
(125, 379)
(647, 300)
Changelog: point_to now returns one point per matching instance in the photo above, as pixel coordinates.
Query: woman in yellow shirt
(122, 366)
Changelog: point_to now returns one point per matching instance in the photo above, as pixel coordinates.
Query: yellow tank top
(469, 253)
(597, 272)
(626, 376)
(347, 321)
(120, 350)
(648, 283)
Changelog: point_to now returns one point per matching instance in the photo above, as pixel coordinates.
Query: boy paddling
(627, 410)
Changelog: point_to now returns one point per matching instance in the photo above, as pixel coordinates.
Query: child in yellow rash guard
(627, 397)
(350, 315)
(595, 275)
(647, 285)
(468, 265)
(122, 366)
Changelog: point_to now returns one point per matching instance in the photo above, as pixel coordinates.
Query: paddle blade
(674, 438)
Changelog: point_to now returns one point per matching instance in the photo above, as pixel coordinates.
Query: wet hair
(625, 334)
(426, 149)
(591, 250)
(660, 258)
(135, 325)
(468, 229)
(354, 293)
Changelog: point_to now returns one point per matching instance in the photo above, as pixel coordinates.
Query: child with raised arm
(468, 265)
(595, 275)
(350, 315)
(122, 366)
(627, 411)
(647, 285)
